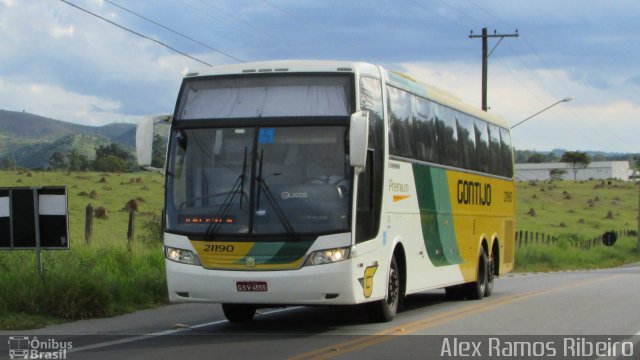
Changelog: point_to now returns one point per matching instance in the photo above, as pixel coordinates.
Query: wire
(174, 31)
(312, 24)
(135, 32)
(262, 33)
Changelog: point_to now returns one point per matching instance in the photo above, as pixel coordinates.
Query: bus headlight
(328, 256)
(181, 256)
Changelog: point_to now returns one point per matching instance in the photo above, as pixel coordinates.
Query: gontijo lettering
(474, 193)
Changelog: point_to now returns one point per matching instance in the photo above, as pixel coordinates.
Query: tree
(158, 151)
(8, 163)
(556, 174)
(577, 160)
(113, 149)
(110, 163)
(113, 157)
(537, 158)
(77, 161)
(57, 160)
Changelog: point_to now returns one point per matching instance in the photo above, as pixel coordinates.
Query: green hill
(30, 140)
(37, 156)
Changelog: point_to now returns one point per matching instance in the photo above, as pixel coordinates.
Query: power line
(135, 32)
(583, 127)
(310, 23)
(263, 34)
(174, 31)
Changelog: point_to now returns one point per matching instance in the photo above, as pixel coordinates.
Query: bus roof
(398, 79)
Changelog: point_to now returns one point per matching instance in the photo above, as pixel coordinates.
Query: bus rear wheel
(491, 275)
(237, 313)
(385, 310)
(476, 290)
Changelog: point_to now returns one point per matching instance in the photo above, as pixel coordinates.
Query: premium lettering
(398, 187)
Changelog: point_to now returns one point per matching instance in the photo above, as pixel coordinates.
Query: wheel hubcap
(394, 287)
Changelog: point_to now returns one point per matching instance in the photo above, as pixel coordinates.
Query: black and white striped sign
(31, 214)
(5, 229)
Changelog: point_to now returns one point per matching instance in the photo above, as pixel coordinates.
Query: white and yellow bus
(332, 183)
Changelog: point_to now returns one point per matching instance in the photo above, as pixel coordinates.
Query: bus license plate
(251, 286)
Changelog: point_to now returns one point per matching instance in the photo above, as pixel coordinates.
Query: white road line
(163, 333)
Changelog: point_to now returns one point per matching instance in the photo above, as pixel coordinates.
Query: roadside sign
(34, 218)
(609, 238)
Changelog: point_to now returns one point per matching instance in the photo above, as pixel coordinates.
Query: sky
(59, 61)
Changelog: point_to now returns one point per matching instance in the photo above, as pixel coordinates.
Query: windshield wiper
(227, 204)
(272, 200)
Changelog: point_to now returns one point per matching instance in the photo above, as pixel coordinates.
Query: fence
(88, 226)
(524, 238)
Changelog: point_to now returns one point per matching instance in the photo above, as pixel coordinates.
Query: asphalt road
(581, 314)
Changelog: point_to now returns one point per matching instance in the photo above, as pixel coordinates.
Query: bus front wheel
(385, 310)
(236, 313)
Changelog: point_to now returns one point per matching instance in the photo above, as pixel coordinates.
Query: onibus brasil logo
(24, 347)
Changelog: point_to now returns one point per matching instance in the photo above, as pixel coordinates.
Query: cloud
(58, 103)
(59, 61)
(93, 73)
(58, 32)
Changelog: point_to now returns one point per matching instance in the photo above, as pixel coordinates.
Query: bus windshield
(256, 180)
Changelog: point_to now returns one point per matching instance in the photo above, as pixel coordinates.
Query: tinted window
(371, 101)
(466, 139)
(507, 152)
(482, 145)
(447, 136)
(425, 131)
(369, 197)
(400, 123)
(495, 154)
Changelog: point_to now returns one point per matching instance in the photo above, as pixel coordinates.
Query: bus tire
(237, 313)
(385, 310)
(491, 275)
(476, 290)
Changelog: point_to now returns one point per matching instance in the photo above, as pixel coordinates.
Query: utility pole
(485, 57)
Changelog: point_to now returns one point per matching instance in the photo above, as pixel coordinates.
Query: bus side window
(482, 146)
(495, 161)
(366, 225)
(507, 153)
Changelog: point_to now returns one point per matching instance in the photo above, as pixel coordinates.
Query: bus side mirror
(145, 142)
(358, 138)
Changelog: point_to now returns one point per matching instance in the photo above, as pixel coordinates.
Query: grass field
(100, 279)
(105, 279)
(576, 211)
(584, 208)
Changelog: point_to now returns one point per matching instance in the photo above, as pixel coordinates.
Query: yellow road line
(431, 321)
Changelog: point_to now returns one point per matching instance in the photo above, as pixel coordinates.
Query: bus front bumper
(327, 284)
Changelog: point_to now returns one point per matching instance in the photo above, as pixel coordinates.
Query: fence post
(88, 224)
(520, 238)
(131, 230)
